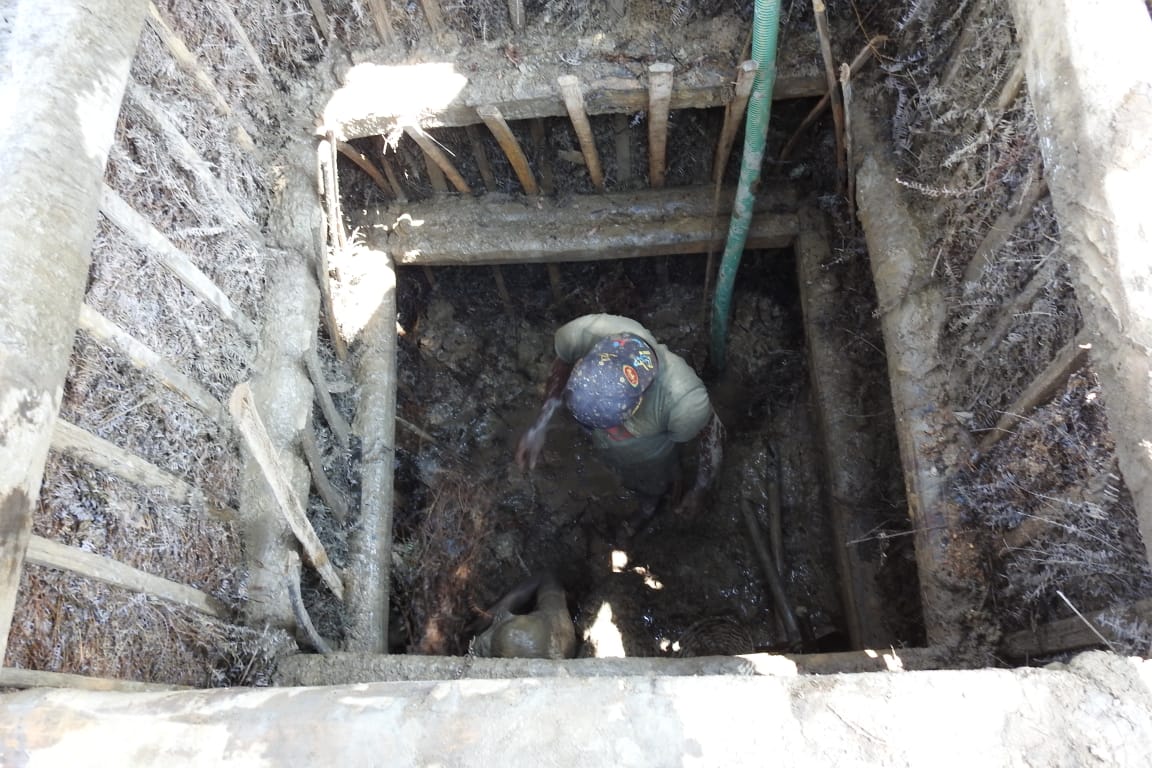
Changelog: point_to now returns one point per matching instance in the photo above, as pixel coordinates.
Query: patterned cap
(607, 384)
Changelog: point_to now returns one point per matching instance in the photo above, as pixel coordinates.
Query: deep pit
(1030, 488)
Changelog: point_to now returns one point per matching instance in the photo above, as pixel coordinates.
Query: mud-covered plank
(581, 228)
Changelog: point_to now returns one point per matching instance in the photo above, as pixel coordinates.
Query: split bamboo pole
(507, 141)
(659, 99)
(574, 102)
(71, 52)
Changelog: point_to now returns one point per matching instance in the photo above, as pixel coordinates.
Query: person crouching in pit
(639, 401)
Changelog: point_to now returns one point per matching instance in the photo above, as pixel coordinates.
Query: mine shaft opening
(469, 525)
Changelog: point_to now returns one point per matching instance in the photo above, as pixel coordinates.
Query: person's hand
(690, 503)
(529, 448)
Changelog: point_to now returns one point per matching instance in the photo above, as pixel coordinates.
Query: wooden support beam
(188, 62)
(251, 426)
(1005, 224)
(12, 677)
(507, 141)
(390, 172)
(332, 415)
(145, 359)
(61, 59)
(435, 177)
(1089, 73)
(516, 14)
(52, 554)
(382, 22)
(481, 157)
(574, 103)
(117, 210)
(733, 117)
(659, 99)
(1073, 633)
(370, 544)
(74, 441)
(367, 105)
(323, 25)
(582, 228)
(543, 161)
(365, 164)
(432, 151)
(1071, 358)
(622, 131)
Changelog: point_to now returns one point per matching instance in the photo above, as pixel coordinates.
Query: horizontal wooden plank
(52, 554)
(11, 677)
(499, 230)
(520, 81)
(144, 358)
(71, 439)
(1072, 633)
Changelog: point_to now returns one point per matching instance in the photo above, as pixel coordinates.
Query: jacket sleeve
(575, 338)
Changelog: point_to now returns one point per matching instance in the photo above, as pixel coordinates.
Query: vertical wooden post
(390, 172)
(434, 17)
(481, 157)
(435, 177)
(499, 127)
(539, 146)
(733, 116)
(502, 289)
(437, 156)
(833, 89)
(369, 572)
(659, 99)
(326, 161)
(574, 103)
(623, 134)
(68, 48)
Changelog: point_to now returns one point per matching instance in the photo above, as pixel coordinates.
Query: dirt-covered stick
(833, 87)
(499, 127)
(771, 572)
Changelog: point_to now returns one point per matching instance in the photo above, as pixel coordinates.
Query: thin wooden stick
(320, 479)
(825, 100)
(433, 152)
(543, 162)
(191, 65)
(733, 116)
(507, 141)
(52, 554)
(833, 88)
(380, 20)
(176, 261)
(365, 165)
(70, 439)
(554, 280)
(771, 572)
(321, 18)
(574, 103)
(502, 289)
(846, 91)
(326, 159)
(324, 396)
(516, 14)
(390, 172)
(481, 157)
(659, 101)
(623, 133)
(256, 438)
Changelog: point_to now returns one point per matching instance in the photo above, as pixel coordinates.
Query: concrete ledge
(1096, 711)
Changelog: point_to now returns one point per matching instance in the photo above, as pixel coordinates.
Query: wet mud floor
(470, 524)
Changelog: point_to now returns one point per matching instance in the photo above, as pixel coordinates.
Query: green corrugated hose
(765, 30)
